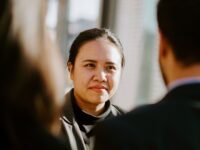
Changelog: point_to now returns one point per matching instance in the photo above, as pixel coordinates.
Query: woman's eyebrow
(89, 60)
(110, 63)
(94, 61)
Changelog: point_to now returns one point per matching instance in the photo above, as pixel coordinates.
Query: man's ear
(163, 45)
(70, 69)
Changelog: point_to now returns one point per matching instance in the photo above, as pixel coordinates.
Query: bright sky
(86, 9)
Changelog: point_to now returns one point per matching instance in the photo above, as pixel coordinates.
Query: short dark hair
(179, 22)
(92, 34)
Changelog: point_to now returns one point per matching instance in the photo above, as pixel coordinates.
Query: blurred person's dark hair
(31, 73)
(92, 34)
(180, 29)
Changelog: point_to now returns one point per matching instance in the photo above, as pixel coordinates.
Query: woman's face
(96, 72)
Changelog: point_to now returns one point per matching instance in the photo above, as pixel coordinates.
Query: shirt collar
(86, 118)
(183, 81)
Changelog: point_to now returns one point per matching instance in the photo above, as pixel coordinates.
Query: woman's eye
(90, 65)
(110, 68)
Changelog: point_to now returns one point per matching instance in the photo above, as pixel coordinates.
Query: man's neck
(182, 73)
(184, 81)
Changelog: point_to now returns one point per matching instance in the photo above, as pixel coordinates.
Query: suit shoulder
(138, 117)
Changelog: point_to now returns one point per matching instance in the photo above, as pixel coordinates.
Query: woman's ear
(70, 69)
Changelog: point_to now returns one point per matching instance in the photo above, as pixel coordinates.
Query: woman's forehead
(99, 50)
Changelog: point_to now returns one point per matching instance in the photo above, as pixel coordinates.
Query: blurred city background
(134, 22)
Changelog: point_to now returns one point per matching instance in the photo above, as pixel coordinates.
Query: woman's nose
(100, 75)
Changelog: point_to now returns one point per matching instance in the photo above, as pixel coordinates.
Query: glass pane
(83, 14)
(52, 16)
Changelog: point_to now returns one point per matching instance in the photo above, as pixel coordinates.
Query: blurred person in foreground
(174, 122)
(95, 65)
(31, 78)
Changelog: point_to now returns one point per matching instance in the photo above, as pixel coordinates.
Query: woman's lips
(98, 89)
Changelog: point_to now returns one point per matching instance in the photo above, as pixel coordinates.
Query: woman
(31, 86)
(95, 65)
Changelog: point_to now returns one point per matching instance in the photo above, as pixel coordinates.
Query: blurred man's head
(179, 23)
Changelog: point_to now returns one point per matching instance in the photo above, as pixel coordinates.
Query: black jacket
(71, 132)
(171, 124)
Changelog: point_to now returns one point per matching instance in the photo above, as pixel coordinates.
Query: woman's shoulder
(116, 110)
